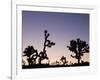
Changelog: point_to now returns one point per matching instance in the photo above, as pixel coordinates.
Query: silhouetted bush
(63, 59)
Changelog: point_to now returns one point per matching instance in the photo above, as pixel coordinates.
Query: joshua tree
(31, 53)
(47, 43)
(78, 47)
(63, 59)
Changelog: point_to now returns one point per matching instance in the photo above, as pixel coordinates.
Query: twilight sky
(62, 27)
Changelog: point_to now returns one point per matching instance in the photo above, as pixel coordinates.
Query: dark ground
(53, 66)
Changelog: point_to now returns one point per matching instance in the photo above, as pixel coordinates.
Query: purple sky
(62, 27)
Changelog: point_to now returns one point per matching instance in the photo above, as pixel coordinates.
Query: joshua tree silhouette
(63, 59)
(31, 53)
(47, 43)
(78, 47)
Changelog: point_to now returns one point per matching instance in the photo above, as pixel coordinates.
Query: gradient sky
(62, 27)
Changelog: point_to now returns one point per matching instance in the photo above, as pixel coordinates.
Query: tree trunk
(29, 61)
(78, 60)
(39, 60)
